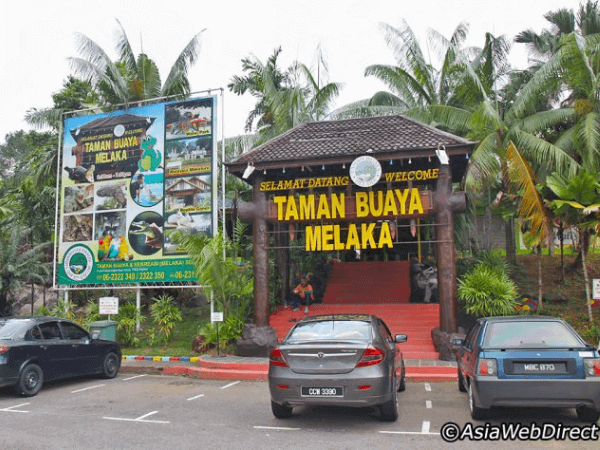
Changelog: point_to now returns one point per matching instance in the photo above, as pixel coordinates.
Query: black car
(532, 361)
(38, 349)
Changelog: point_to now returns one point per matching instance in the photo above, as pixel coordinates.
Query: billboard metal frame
(219, 92)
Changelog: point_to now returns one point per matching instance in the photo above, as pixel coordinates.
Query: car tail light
(592, 367)
(487, 367)
(371, 356)
(276, 358)
(3, 349)
(364, 387)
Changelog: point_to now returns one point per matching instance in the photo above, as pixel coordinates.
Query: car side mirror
(458, 342)
(95, 334)
(400, 338)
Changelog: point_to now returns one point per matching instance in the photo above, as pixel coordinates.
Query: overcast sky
(37, 37)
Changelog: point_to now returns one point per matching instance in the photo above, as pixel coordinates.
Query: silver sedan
(342, 360)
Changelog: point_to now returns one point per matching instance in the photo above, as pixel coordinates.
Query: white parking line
(229, 385)
(409, 432)
(427, 387)
(87, 388)
(10, 408)
(258, 427)
(131, 378)
(428, 404)
(139, 419)
(425, 427)
(197, 396)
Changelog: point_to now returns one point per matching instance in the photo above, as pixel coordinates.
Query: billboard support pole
(212, 307)
(58, 176)
(66, 301)
(138, 307)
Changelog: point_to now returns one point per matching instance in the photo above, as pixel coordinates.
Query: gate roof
(341, 141)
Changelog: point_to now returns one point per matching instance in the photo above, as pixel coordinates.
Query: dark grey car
(342, 360)
(38, 349)
(531, 361)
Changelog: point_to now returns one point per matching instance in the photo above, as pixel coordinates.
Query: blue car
(525, 361)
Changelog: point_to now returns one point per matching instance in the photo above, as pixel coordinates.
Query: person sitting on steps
(303, 293)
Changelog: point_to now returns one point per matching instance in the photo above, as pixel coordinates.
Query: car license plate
(322, 392)
(540, 367)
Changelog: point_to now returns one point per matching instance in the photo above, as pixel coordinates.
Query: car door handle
(75, 345)
(45, 347)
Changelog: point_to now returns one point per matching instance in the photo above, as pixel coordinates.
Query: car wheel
(280, 411)
(30, 380)
(389, 410)
(476, 412)
(461, 382)
(587, 414)
(110, 365)
(402, 385)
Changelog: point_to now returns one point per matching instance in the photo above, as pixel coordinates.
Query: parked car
(38, 349)
(533, 361)
(343, 360)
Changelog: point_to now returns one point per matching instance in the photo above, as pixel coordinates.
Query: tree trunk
(540, 293)
(584, 245)
(588, 299)
(487, 229)
(511, 250)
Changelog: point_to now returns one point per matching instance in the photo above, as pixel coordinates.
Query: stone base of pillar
(256, 341)
(443, 344)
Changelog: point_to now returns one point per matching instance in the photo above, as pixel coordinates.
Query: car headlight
(592, 367)
(487, 367)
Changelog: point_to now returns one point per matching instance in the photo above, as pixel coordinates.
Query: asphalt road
(153, 412)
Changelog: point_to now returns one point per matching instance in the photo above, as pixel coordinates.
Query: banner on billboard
(130, 179)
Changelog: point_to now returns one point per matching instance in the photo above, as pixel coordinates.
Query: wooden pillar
(446, 252)
(261, 256)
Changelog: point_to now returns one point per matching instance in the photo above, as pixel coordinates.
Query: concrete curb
(249, 370)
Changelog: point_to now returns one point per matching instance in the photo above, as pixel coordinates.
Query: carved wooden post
(446, 252)
(261, 256)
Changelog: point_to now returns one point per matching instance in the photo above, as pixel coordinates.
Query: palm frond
(177, 82)
(531, 207)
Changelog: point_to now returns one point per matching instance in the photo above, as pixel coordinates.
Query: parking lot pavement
(147, 411)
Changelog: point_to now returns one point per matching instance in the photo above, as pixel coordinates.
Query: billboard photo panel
(129, 180)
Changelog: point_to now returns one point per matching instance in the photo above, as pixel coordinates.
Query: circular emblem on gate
(320, 355)
(365, 171)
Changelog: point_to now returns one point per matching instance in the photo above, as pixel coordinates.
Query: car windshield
(8, 327)
(530, 334)
(331, 330)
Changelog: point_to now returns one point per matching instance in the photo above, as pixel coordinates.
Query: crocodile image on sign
(114, 196)
(146, 234)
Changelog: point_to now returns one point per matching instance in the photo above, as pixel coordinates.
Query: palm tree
(285, 99)
(578, 204)
(576, 65)
(128, 80)
(415, 83)
(510, 148)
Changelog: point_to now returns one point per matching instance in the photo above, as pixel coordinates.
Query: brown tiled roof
(343, 140)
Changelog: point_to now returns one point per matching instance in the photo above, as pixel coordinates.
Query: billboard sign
(130, 180)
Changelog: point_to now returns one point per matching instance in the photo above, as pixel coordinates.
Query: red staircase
(368, 282)
(414, 320)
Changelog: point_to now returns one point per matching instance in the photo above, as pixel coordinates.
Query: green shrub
(127, 320)
(229, 332)
(164, 314)
(487, 291)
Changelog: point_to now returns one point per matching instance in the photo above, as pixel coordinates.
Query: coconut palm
(285, 99)
(415, 82)
(578, 204)
(510, 146)
(128, 80)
